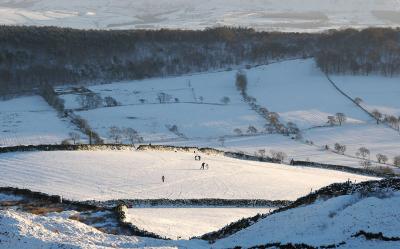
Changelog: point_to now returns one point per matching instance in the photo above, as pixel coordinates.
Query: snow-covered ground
(274, 142)
(195, 107)
(30, 120)
(26, 231)
(300, 93)
(283, 15)
(377, 92)
(296, 89)
(377, 139)
(105, 175)
(192, 120)
(326, 222)
(184, 223)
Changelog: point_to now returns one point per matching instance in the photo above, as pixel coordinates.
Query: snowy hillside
(347, 221)
(376, 92)
(107, 175)
(30, 120)
(294, 15)
(327, 222)
(297, 90)
(300, 93)
(25, 231)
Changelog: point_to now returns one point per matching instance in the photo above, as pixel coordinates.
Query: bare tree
(273, 118)
(381, 158)
(225, 100)
(133, 136)
(365, 163)
(331, 120)
(261, 152)
(110, 101)
(377, 115)
(251, 130)
(340, 117)
(363, 152)
(90, 101)
(392, 121)
(396, 161)
(292, 128)
(340, 148)
(74, 136)
(358, 100)
(278, 155)
(241, 81)
(163, 97)
(115, 134)
(238, 131)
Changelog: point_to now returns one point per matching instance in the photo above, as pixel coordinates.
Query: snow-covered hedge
(193, 202)
(70, 147)
(348, 169)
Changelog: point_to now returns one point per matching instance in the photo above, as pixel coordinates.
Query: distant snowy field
(297, 90)
(300, 93)
(30, 120)
(376, 92)
(286, 15)
(184, 223)
(196, 107)
(105, 175)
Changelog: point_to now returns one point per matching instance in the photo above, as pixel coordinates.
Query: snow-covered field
(300, 93)
(192, 120)
(296, 89)
(326, 222)
(286, 15)
(184, 223)
(195, 107)
(377, 92)
(105, 175)
(30, 120)
(377, 139)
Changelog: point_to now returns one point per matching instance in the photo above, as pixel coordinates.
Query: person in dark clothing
(163, 178)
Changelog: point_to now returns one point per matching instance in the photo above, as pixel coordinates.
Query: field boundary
(348, 169)
(183, 203)
(359, 105)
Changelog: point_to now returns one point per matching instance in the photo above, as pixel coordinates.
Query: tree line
(350, 51)
(31, 57)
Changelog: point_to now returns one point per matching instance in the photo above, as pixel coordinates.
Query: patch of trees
(51, 97)
(117, 134)
(90, 100)
(174, 129)
(338, 119)
(85, 128)
(33, 56)
(350, 51)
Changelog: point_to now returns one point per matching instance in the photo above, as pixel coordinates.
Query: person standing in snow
(163, 178)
